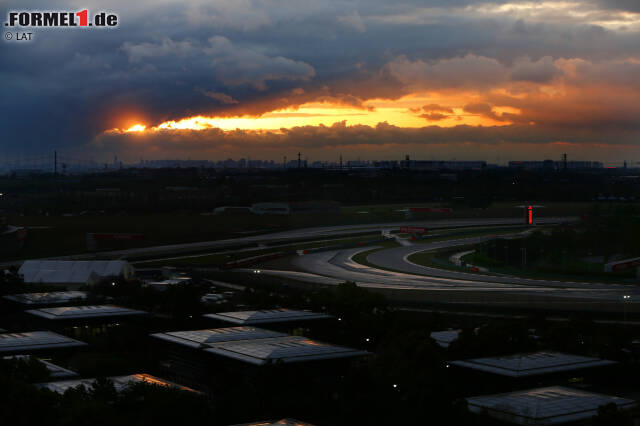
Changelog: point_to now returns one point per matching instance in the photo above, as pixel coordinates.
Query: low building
(35, 340)
(83, 312)
(120, 383)
(532, 364)
(203, 338)
(281, 350)
(47, 298)
(544, 406)
(283, 422)
(74, 272)
(55, 371)
(446, 337)
(266, 316)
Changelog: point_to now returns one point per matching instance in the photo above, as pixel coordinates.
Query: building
(544, 406)
(83, 312)
(266, 316)
(446, 337)
(120, 383)
(281, 350)
(203, 338)
(533, 364)
(35, 340)
(55, 371)
(47, 298)
(283, 422)
(74, 272)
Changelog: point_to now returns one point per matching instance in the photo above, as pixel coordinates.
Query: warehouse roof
(47, 298)
(119, 382)
(281, 349)
(55, 371)
(266, 316)
(521, 365)
(283, 422)
(200, 338)
(444, 338)
(33, 340)
(72, 271)
(73, 312)
(550, 405)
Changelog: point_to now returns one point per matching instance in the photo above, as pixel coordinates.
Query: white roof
(265, 316)
(71, 271)
(544, 406)
(202, 338)
(521, 365)
(32, 340)
(55, 371)
(46, 298)
(93, 311)
(283, 422)
(444, 338)
(281, 349)
(119, 382)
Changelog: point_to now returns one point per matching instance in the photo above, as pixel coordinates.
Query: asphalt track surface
(393, 270)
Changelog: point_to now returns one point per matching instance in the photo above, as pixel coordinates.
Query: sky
(433, 79)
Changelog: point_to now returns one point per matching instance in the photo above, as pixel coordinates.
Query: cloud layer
(534, 73)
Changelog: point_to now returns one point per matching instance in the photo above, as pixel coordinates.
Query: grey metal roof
(544, 406)
(444, 338)
(46, 298)
(32, 340)
(281, 349)
(521, 365)
(203, 338)
(283, 422)
(55, 371)
(119, 382)
(266, 316)
(93, 311)
(72, 271)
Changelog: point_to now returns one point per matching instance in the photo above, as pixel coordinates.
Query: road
(392, 270)
(290, 235)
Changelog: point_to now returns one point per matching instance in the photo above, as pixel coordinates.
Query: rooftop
(55, 371)
(544, 406)
(46, 298)
(281, 349)
(522, 365)
(444, 338)
(283, 422)
(266, 316)
(203, 338)
(93, 311)
(119, 382)
(72, 271)
(33, 340)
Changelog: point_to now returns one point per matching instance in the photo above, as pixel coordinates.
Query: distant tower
(299, 159)
(285, 162)
(564, 161)
(55, 162)
(340, 161)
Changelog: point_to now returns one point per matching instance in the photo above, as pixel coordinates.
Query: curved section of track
(393, 270)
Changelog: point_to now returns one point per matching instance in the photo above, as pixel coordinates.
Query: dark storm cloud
(168, 60)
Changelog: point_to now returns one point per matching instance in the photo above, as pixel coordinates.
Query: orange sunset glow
(404, 112)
